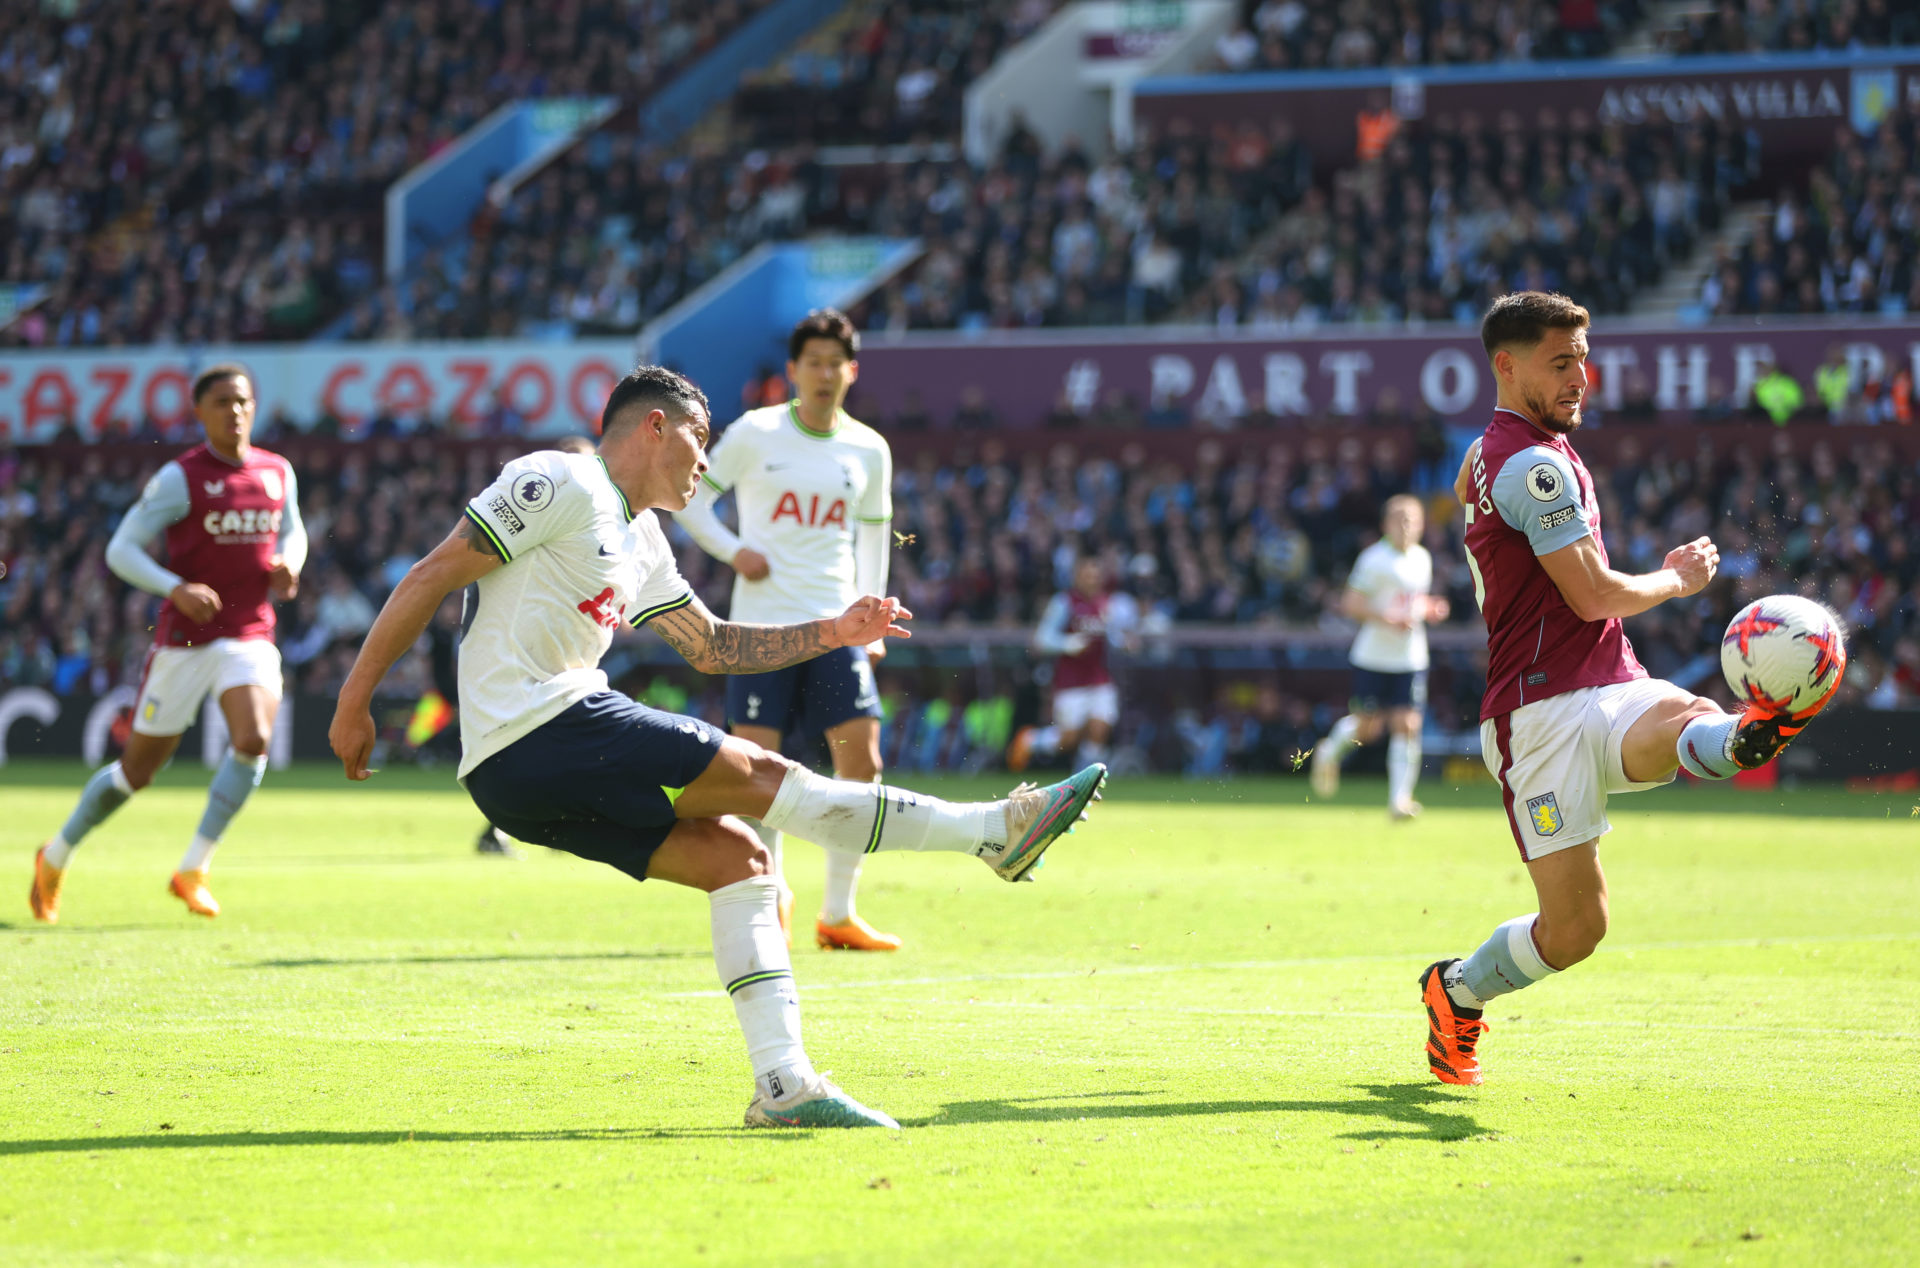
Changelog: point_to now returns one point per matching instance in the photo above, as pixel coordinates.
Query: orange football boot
(853, 934)
(191, 889)
(1452, 1031)
(44, 897)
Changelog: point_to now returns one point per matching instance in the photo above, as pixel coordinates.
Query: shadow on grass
(278, 1140)
(535, 958)
(1417, 1110)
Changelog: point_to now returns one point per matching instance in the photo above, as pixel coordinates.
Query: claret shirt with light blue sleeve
(1536, 492)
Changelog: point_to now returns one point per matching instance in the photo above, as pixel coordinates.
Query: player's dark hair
(1522, 319)
(203, 382)
(650, 387)
(824, 323)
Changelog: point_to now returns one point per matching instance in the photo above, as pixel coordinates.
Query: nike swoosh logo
(607, 553)
(778, 466)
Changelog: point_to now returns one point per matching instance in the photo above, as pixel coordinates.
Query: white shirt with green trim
(817, 505)
(1392, 581)
(579, 563)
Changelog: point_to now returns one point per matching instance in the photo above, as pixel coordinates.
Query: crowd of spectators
(1230, 228)
(212, 170)
(1847, 245)
(1260, 537)
(1799, 26)
(1344, 34)
(882, 72)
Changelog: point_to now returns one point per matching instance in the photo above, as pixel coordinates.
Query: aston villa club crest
(1545, 812)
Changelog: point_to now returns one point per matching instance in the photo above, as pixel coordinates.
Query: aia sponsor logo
(811, 514)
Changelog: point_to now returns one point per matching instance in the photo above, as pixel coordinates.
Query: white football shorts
(1074, 707)
(179, 678)
(1558, 759)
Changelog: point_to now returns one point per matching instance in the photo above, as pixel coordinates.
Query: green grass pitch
(1196, 1040)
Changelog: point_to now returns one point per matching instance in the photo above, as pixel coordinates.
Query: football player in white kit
(813, 491)
(564, 550)
(1388, 593)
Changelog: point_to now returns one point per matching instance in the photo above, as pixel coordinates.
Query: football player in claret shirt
(1077, 628)
(230, 514)
(1569, 716)
(565, 549)
(814, 491)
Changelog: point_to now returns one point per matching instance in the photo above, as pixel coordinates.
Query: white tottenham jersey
(1393, 582)
(579, 563)
(800, 495)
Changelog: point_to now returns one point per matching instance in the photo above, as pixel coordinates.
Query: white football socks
(1340, 741)
(751, 953)
(1703, 745)
(838, 814)
(843, 879)
(1403, 767)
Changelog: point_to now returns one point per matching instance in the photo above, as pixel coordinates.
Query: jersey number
(596, 607)
(1479, 582)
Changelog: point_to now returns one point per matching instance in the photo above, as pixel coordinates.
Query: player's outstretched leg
(239, 774)
(105, 793)
(1010, 835)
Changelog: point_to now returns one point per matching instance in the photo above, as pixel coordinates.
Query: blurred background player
(1569, 716)
(1387, 592)
(813, 494)
(231, 516)
(1076, 629)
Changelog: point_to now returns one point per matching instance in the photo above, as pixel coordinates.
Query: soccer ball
(1784, 654)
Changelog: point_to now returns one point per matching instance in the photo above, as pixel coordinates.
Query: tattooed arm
(714, 646)
(462, 559)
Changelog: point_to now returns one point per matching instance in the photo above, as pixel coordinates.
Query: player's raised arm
(468, 554)
(714, 646)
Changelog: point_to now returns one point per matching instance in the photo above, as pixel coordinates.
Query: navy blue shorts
(809, 698)
(594, 780)
(1376, 692)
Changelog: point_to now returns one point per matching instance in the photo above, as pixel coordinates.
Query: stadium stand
(1755, 26)
(1847, 245)
(218, 175)
(882, 72)
(1331, 34)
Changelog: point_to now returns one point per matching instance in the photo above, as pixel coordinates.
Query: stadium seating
(1329, 34)
(1744, 26)
(1847, 246)
(218, 176)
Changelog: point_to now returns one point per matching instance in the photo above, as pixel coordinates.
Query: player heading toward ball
(564, 549)
(1388, 592)
(230, 514)
(814, 492)
(1569, 715)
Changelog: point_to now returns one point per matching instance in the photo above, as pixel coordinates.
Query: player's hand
(1438, 609)
(877, 649)
(1694, 563)
(750, 564)
(282, 580)
(196, 602)
(351, 738)
(870, 619)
